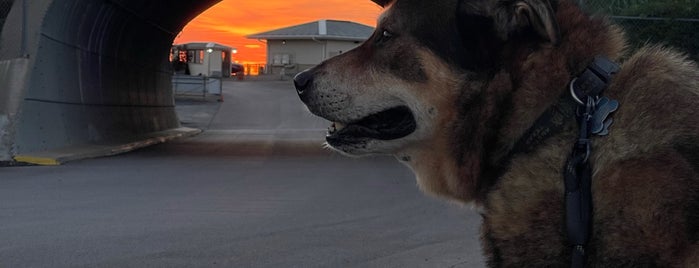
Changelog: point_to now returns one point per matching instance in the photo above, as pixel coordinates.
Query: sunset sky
(230, 21)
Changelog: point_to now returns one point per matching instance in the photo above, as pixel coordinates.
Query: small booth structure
(199, 67)
(202, 59)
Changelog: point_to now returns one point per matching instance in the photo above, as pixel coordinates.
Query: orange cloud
(229, 21)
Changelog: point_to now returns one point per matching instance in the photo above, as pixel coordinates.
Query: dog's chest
(523, 222)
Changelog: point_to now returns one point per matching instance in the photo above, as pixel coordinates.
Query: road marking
(37, 160)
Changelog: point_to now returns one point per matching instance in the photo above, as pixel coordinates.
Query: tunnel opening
(89, 72)
(273, 41)
(93, 73)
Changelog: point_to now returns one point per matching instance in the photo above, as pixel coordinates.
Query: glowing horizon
(229, 21)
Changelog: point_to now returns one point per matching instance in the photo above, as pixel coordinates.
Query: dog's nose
(302, 82)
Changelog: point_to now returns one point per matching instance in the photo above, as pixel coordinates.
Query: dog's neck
(463, 170)
(583, 38)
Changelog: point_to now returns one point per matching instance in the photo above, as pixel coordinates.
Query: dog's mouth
(391, 124)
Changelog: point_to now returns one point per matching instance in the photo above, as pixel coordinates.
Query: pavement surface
(255, 189)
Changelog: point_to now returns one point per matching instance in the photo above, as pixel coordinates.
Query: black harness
(583, 101)
(593, 111)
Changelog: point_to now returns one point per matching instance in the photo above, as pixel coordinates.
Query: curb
(79, 152)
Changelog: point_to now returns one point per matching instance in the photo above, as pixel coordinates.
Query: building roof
(204, 45)
(322, 29)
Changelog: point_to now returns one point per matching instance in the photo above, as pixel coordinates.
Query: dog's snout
(303, 81)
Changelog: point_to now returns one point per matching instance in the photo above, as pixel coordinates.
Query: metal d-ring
(572, 92)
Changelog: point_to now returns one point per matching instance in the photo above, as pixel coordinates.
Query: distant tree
(683, 35)
(662, 8)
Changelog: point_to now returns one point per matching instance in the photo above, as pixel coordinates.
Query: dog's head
(402, 86)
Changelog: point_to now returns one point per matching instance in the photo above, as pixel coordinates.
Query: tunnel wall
(93, 71)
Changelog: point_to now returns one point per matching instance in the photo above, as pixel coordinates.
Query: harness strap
(577, 174)
(550, 123)
(591, 82)
(581, 103)
(577, 177)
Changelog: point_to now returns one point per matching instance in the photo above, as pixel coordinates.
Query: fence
(670, 22)
(197, 86)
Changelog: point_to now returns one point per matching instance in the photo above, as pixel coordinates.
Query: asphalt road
(239, 195)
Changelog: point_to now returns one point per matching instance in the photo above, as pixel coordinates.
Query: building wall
(299, 52)
(210, 65)
(293, 56)
(335, 48)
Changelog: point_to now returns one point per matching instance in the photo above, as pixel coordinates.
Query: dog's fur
(476, 74)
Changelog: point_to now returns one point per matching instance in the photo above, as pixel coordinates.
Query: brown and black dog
(449, 86)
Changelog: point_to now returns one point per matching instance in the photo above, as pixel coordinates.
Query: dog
(449, 87)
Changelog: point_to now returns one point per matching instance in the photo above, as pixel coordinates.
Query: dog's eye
(387, 34)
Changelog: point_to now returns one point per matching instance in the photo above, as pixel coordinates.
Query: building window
(195, 56)
(183, 56)
(282, 59)
(190, 56)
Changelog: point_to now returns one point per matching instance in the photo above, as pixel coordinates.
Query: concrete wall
(87, 71)
(13, 74)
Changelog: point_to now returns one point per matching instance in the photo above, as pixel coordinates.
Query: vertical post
(209, 49)
(206, 86)
(207, 58)
(220, 89)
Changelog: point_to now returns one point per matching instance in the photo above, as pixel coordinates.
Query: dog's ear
(519, 15)
(382, 3)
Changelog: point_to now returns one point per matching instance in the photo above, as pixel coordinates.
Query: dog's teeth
(335, 127)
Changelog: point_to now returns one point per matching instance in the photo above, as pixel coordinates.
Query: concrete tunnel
(89, 75)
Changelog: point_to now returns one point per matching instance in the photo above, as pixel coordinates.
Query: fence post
(220, 89)
(206, 86)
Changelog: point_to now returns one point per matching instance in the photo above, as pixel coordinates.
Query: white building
(202, 59)
(296, 48)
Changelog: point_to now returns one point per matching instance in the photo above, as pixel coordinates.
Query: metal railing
(197, 86)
